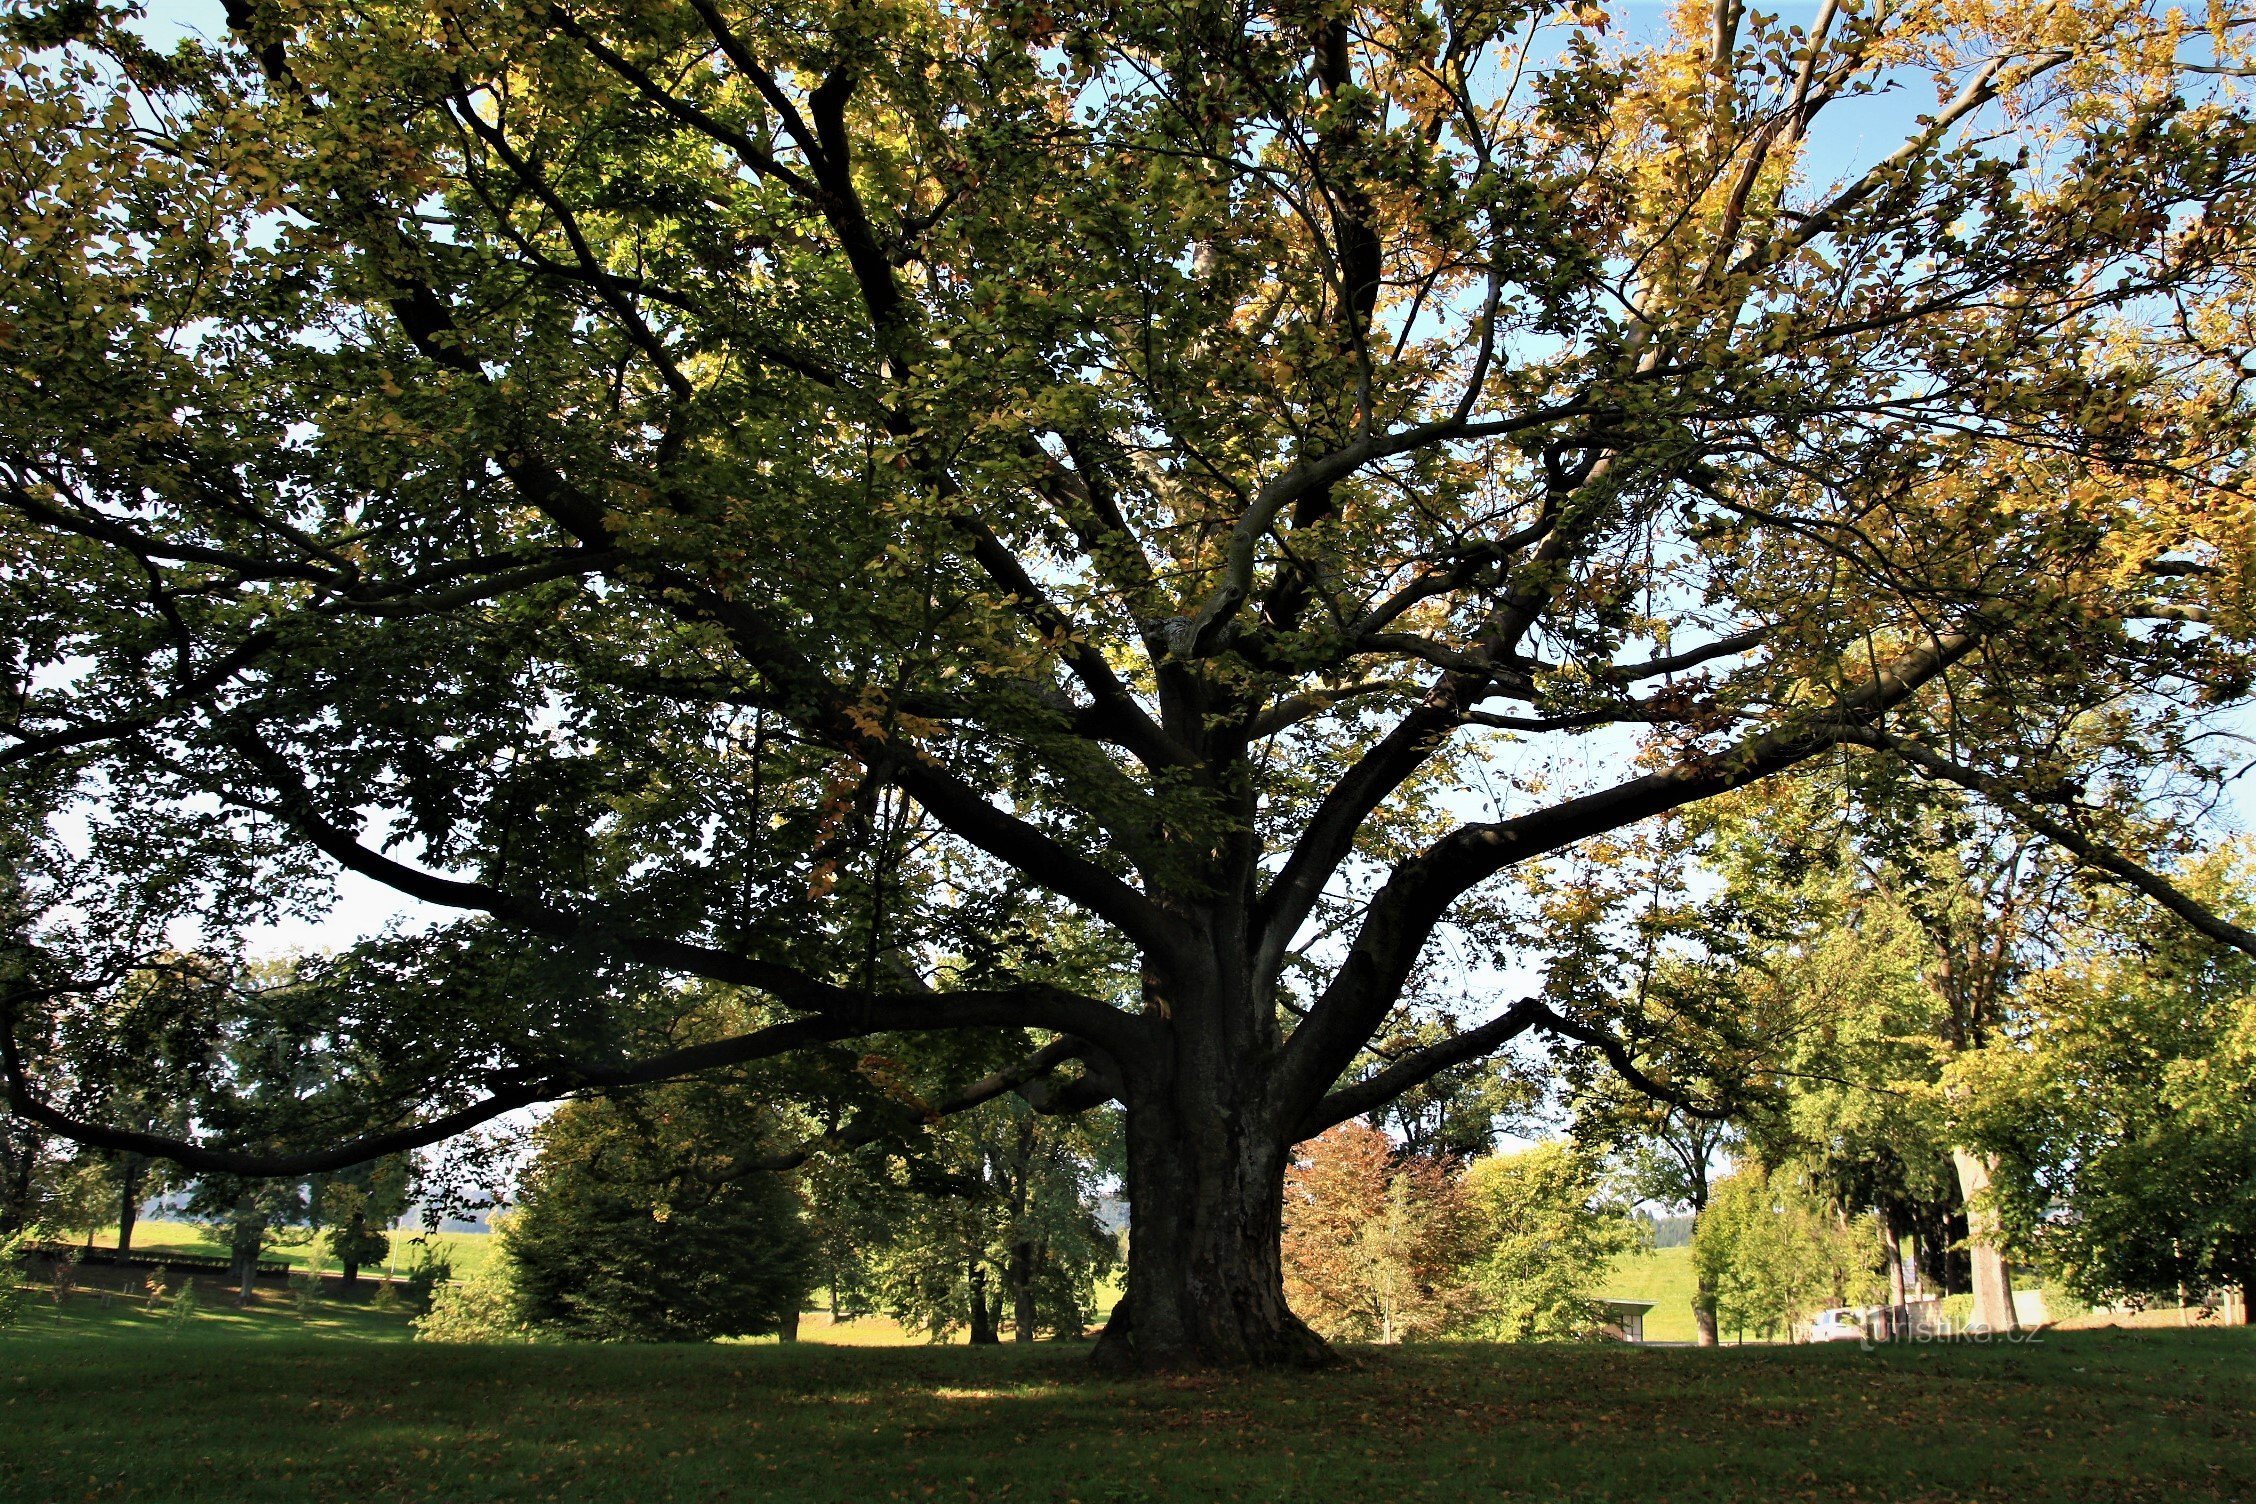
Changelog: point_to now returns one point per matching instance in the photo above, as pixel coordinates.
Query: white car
(1839, 1324)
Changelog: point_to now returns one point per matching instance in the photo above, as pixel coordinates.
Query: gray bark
(1985, 1250)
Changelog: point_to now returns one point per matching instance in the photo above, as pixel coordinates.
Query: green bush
(428, 1267)
(13, 1296)
(635, 1223)
(480, 1309)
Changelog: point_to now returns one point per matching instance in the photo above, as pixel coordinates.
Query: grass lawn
(467, 1250)
(1663, 1276)
(97, 1314)
(144, 1413)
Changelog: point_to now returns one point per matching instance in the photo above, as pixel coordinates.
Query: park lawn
(202, 1417)
(1663, 1276)
(467, 1251)
(97, 1310)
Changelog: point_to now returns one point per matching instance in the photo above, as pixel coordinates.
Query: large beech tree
(821, 498)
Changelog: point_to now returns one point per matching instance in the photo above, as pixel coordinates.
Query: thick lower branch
(1028, 1078)
(1415, 1069)
(1403, 914)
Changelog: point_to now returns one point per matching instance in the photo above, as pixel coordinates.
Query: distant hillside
(1663, 1276)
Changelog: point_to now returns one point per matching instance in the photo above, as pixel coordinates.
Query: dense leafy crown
(904, 507)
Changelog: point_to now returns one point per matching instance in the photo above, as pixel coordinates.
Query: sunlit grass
(1663, 1276)
(467, 1251)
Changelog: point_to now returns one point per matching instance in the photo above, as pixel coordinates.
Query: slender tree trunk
(132, 1175)
(1018, 1273)
(249, 1237)
(1985, 1251)
(1020, 1277)
(1892, 1262)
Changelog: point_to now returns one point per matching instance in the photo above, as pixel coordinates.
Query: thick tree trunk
(1704, 1316)
(1985, 1251)
(788, 1329)
(1206, 1284)
(982, 1320)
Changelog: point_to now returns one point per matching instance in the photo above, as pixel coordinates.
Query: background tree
(244, 1212)
(638, 1221)
(1660, 1154)
(360, 1205)
(1376, 1238)
(798, 497)
(2121, 1114)
(1544, 1234)
(1775, 1254)
(993, 1221)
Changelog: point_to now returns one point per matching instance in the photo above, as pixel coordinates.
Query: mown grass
(103, 1307)
(467, 1251)
(203, 1416)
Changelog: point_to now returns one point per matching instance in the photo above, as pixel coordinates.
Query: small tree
(12, 1275)
(481, 1308)
(637, 1223)
(360, 1205)
(1374, 1239)
(1773, 1252)
(1546, 1235)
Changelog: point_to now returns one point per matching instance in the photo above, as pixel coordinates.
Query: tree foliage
(636, 1221)
(2123, 1113)
(1375, 1239)
(1545, 1232)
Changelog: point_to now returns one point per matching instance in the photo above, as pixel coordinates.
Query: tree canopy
(1122, 526)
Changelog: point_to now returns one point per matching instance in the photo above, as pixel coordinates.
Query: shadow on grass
(2150, 1415)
